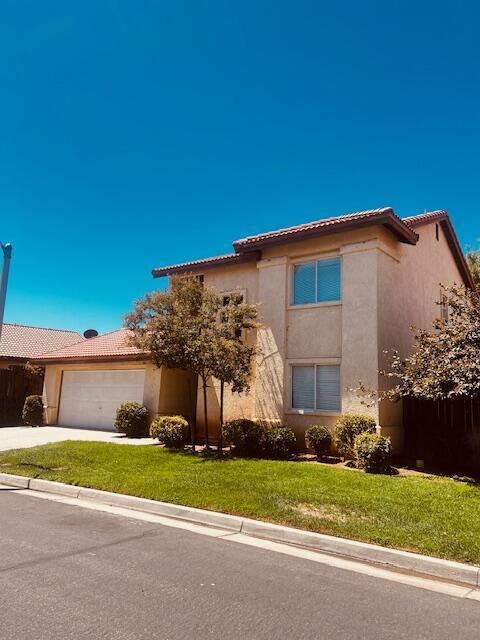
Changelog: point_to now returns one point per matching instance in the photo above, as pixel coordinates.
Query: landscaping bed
(427, 514)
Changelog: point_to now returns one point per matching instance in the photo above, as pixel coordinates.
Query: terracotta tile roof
(443, 219)
(24, 342)
(109, 346)
(425, 218)
(248, 248)
(385, 216)
(205, 263)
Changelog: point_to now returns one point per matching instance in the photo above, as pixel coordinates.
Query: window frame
(330, 362)
(316, 260)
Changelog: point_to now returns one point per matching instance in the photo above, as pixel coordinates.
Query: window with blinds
(316, 387)
(318, 281)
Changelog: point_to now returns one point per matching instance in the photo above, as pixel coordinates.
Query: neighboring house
(18, 345)
(333, 296)
(85, 383)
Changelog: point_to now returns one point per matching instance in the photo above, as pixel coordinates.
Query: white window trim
(291, 286)
(312, 363)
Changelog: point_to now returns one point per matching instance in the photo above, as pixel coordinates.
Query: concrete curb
(351, 549)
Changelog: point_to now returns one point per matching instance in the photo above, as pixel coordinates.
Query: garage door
(90, 399)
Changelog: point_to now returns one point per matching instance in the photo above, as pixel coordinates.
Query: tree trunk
(205, 411)
(220, 436)
(193, 410)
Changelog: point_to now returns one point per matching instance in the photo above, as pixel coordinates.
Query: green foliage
(373, 453)
(279, 443)
(319, 439)
(445, 362)
(347, 428)
(191, 327)
(32, 413)
(473, 260)
(172, 431)
(132, 420)
(245, 435)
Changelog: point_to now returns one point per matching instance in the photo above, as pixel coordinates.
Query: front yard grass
(431, 515)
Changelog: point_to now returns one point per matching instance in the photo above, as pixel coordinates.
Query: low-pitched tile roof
(109, 346)
(23, 342)
(385, 216)
(205, 263)
(402, 228)
(443, 219)
(425, 218)
(248, 248)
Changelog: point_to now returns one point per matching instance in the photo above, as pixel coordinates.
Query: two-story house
(333, 295)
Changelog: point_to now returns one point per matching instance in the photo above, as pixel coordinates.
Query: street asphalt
(72, 573)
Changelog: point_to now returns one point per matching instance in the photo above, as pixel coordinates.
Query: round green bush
(172, 431)
(132, 420)
(32, 412)
(319, 439)
(245, 435)
(279, 443)
(347, 428)
(373, 453)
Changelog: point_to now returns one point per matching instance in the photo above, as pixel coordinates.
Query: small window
(437, 231)
(444, 310)
(318, 281)
(316, 387)
(225, 301)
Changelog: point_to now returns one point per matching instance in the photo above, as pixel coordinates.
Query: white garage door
(90, 399)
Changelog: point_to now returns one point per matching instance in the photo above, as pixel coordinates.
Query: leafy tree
(192, 327)
(233, 361)
(445, 362)
(473, 260)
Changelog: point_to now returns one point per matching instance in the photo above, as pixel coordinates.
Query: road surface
(68, 572)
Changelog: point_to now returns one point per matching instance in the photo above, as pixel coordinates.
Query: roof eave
(457, 252)
(252, 256)
(402, 232)
(90, 358)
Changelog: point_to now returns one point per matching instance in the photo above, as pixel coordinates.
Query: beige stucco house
(333, 295)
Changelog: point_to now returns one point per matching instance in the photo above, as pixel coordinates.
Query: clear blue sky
(141, 133)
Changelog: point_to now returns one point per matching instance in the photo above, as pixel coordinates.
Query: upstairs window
(318, 281)
(444, 309)
(316, 388)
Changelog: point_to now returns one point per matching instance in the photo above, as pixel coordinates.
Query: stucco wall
(408, 292)
(323, 333)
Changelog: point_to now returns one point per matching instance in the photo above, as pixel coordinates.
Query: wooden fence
(16, 383)
(446, 433)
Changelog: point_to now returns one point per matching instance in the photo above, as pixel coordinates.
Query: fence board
(446, 434)
(16, 383)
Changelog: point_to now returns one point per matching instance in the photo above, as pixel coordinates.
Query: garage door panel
(91, 398)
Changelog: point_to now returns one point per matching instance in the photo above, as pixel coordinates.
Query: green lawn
(432, 515)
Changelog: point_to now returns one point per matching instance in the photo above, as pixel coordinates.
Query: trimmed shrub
(373, 453)
(32, 413)
(347, 428)
(172, 431)
(245, 435)
(132, 420)
(319, 439)
(279, 443)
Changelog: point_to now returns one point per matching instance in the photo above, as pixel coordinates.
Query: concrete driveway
(21, 437)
